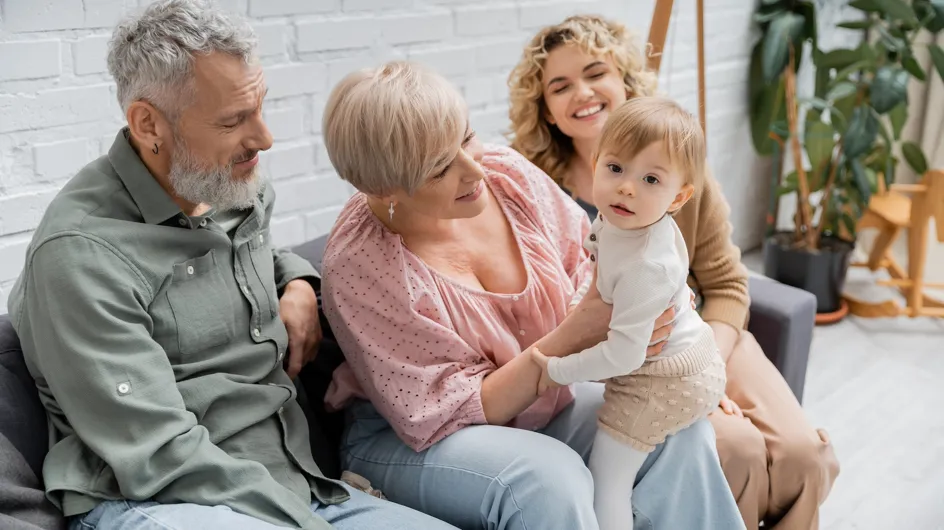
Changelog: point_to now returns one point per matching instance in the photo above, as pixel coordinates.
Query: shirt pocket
(201, 305)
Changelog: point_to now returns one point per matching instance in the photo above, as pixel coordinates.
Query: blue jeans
(500, 478)
(360, 512)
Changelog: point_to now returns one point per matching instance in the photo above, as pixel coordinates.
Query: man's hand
(298, 308)
(545, 383)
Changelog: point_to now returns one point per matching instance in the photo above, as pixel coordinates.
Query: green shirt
(156, 344)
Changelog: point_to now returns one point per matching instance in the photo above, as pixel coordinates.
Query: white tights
(614, 466)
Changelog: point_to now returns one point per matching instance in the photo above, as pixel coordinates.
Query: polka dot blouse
(418, 345)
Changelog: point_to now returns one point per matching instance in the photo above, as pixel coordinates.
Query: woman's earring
(155, 149)
(390, 210)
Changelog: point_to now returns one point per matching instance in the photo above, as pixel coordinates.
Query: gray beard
(199, 183)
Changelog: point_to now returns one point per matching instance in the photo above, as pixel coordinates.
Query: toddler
(648, 165)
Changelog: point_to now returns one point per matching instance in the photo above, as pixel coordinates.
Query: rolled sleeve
(290, 266)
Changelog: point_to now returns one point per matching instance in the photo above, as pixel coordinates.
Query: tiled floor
(877, 387)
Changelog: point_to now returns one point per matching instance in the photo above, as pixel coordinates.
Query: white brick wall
(58, 110)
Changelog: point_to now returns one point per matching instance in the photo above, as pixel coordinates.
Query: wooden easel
(659, 28)
(890, 211)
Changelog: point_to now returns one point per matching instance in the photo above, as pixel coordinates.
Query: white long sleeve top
(641, 272)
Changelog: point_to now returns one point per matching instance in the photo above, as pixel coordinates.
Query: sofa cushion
(22, 417)
(23, 443)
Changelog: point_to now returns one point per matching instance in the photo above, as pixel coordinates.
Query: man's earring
(390, 210)
(155, 149)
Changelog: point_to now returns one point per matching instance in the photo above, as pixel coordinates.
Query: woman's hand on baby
(545, 383)
(730, 407)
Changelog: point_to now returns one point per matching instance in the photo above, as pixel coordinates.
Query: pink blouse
(419, 344)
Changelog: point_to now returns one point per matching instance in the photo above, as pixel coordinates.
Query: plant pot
(821, 272)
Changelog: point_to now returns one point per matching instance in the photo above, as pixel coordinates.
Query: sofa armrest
(781, 320)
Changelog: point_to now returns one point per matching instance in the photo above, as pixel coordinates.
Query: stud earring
(390, 211)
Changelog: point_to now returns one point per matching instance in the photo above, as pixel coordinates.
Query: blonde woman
(440, 275)
(569, 79)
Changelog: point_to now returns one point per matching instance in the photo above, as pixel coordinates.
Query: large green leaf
(911, 64)
(783, 31)
(889, 88)
(898, 10)
(808, 11)
(861, 133)
(870, 6)
(861, 180)
(819, 142)
(857, 24)
(767, 105)
(879, 150)
(844, 109)
(898, 116)
(936, 22)
(839, 58)
(937, 56)
(841, 90)
(847, 73)
(914, 157)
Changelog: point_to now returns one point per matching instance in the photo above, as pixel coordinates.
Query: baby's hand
(545, 383)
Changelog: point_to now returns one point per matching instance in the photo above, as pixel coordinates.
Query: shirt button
(593, 237)
(189, 269)
(245, 290)
(124, 388)
(256, 332)
(182, 222)
(261, 238)
(521, 333)
(592, 257)
(203, 223)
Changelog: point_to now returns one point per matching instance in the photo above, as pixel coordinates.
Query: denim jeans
(501, 478)
(361, 512)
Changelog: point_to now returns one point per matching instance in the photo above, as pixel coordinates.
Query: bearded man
(161, 327)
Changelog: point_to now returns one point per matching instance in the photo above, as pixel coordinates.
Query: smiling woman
(779, 467)
(562, 94)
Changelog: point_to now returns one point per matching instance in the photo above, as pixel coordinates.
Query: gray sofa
(781, 319)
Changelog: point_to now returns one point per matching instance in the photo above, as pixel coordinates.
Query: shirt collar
(155, 205)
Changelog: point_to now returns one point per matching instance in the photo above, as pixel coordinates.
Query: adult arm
(640, 295)
(116, 387)
(716, 266)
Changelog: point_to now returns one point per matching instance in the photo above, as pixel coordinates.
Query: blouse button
(521, 333)
(515, 298)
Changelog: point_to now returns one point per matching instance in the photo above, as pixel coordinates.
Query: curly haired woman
(570, 77)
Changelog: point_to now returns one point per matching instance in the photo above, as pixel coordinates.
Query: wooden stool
(891, 211)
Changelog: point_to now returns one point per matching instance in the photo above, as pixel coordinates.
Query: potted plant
(841, 140)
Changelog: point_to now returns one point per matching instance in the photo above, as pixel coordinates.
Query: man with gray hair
(162, 328)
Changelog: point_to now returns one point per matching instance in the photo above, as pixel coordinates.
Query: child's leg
(614, 466)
